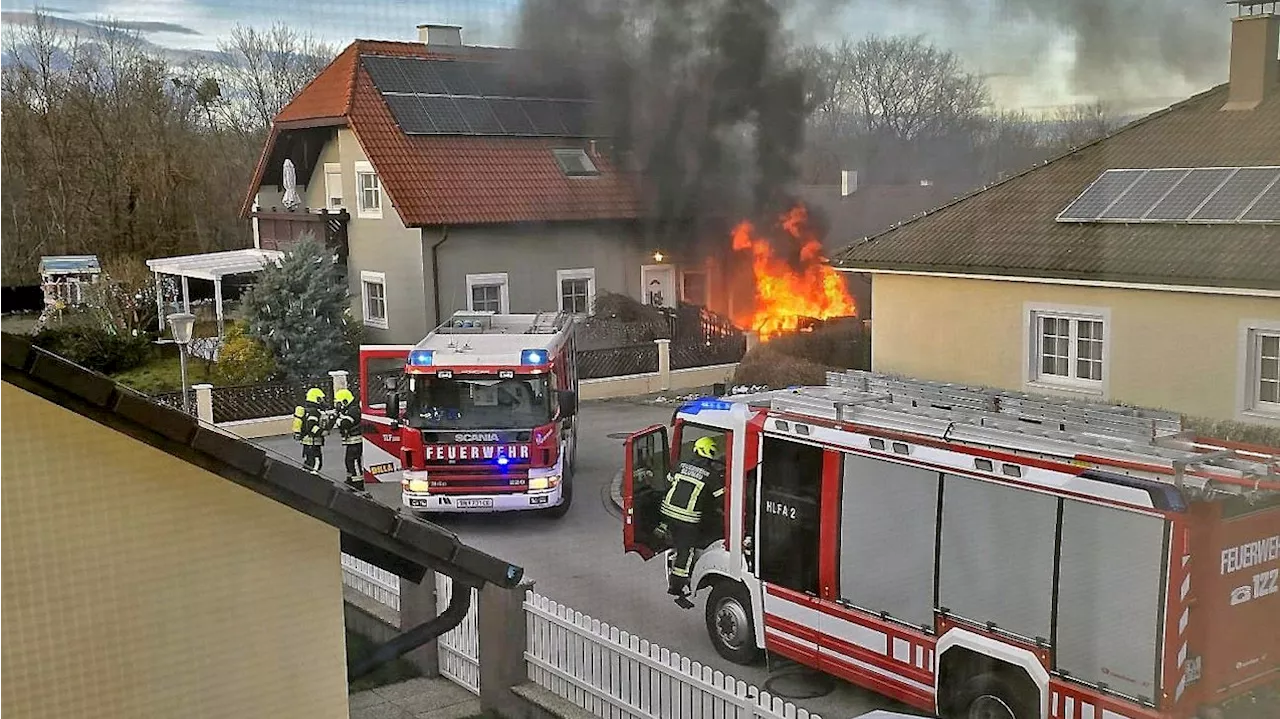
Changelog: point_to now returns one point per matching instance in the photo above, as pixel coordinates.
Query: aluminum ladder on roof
(1123, 440)
(546, 323)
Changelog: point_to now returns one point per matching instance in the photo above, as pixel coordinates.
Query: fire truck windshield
(479, 403)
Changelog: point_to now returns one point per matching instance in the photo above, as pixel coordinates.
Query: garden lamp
(180, 325)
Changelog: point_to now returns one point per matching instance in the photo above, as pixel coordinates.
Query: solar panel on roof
(444, 112)
(1144, 193)
(478, 116)
(1183, 199)
(421, 76)
(1266, 208)
(489, 79)
(455, 77)
(410, 114)
(574, 117)
(1098, 196)
(512, 117)
(545, 117)
(387, 74)
(1237, 194)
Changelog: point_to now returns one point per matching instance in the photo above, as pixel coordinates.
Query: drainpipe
(452, 616)
(435, 272)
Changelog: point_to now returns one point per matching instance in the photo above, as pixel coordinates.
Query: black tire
(730, 623)
(989, 696)
(566, 497)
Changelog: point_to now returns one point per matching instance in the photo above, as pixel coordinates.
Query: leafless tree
(264, 69)
(1079, 124)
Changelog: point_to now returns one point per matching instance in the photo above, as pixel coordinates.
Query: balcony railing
(280, 229)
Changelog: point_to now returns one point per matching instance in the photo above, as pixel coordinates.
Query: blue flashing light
(705, 404)
(421, 358)
(503, 461)
(533, 357)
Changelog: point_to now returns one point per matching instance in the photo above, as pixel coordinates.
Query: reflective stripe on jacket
(690, 486)
(349, 425)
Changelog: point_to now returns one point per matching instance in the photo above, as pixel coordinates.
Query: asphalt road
(578, 560)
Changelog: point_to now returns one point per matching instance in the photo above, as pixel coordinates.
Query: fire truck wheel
(987, 696)
(729, 622)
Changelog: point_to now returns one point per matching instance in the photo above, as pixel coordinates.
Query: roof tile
(1009, 228)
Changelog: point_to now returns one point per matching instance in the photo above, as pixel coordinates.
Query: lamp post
(181, 324)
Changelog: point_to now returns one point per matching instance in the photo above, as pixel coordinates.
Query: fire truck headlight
(419, 485)
(536, 483)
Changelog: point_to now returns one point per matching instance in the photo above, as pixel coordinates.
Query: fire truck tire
(566, 498)
(729, 622)
(988, 696)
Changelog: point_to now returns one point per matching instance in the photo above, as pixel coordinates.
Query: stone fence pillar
(339, 380)
(753, 339)
(503, 640)
(418, 605)
(204, 402)
(664, 364)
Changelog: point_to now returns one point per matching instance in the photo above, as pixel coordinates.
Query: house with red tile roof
(454, 178)
(1143, 267)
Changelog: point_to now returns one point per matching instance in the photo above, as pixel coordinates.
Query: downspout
(452, 616)
(435, 272)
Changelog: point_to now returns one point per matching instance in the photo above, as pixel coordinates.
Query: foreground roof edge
(839, 256)
(393, 540)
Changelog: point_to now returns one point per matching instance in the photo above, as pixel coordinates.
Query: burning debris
(794, 284)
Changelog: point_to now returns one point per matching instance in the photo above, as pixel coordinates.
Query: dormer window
(575, 163)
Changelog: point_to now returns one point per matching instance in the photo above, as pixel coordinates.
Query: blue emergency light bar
(421, 358)
(705, 403)
(533, 357)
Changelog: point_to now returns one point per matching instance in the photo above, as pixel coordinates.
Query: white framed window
(1068, 347)
(368, 192)
(487, 292)
(1259, 374)
(333, 186)
(373, 295)
(576, 290)
(575, 162)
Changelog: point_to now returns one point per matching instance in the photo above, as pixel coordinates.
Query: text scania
(476, 437)
(1250, 554)
(451, 452)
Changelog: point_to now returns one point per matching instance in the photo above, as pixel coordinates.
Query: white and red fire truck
(972, 552)
(478, 416)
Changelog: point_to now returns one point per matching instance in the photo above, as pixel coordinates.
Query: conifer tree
(300, 310)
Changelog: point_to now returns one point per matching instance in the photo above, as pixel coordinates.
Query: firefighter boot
(356, 482)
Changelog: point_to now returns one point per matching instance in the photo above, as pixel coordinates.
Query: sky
(1026, 58)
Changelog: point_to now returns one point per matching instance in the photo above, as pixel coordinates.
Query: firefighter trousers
(684, 540)
(353, 459)
(313, 456)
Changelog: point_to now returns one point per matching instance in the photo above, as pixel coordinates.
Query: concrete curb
(615, 490)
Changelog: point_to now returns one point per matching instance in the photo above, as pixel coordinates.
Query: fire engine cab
(478, 416)
(973, 552)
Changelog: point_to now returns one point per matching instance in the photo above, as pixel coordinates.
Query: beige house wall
(137, 585)
(1174, 350)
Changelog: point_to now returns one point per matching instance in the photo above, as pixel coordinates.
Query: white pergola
(210, 266)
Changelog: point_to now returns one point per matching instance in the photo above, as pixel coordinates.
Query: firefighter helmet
(343, 397)
(707, 447)
(315, 394)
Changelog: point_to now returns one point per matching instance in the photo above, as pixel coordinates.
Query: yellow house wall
(137, 585)
(1173, 350)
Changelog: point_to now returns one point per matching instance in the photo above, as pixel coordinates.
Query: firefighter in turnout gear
(696, 486)
(348, 424)
(310, 424)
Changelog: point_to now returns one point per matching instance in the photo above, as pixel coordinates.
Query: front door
(644, 484)
(658, 285)
(381, 365)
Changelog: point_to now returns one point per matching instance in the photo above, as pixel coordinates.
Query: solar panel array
(1201, 195)
(455, 97)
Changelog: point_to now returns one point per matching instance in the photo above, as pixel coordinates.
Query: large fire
(787, 295)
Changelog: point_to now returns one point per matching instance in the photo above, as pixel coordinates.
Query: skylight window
(575, 163)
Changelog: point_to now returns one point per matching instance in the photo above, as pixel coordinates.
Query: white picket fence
(460, 648)
(600, 668)
(617, 675)
(371, 581)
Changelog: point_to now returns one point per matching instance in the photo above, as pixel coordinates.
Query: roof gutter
(452, 616)
(435, 273)
(1109, 284)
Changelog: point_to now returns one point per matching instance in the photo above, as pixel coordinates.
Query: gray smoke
(698, 96)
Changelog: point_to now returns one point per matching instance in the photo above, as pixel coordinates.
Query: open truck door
(644, 484)
(382, 394)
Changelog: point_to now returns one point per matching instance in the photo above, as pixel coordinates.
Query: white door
(658, 285)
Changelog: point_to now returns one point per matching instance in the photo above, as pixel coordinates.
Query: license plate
(381, 468)
(419, 503)
(474, 503)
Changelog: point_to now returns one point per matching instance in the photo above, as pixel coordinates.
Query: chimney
(848, 182)
(1255, 39)
(430, 34)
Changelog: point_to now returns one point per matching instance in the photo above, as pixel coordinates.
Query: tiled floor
(415, 699)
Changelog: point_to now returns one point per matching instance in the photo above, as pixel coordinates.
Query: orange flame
(785, 295)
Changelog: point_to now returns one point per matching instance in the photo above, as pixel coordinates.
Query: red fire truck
(478, 416)
(978, 553)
